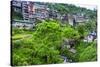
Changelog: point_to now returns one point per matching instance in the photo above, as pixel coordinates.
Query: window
(26, 10)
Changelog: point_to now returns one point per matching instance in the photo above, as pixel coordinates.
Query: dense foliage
(44, 45)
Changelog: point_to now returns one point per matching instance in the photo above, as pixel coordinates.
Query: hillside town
(33, 11)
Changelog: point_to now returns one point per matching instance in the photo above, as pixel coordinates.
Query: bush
(89, 54)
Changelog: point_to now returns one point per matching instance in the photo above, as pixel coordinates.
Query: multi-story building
(74, 19)
(53, 14)
(34, 10)
(31, 11)
(25, 9)
(41, 11)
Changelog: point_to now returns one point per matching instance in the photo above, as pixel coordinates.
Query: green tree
(90, 26)
(88, 54)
